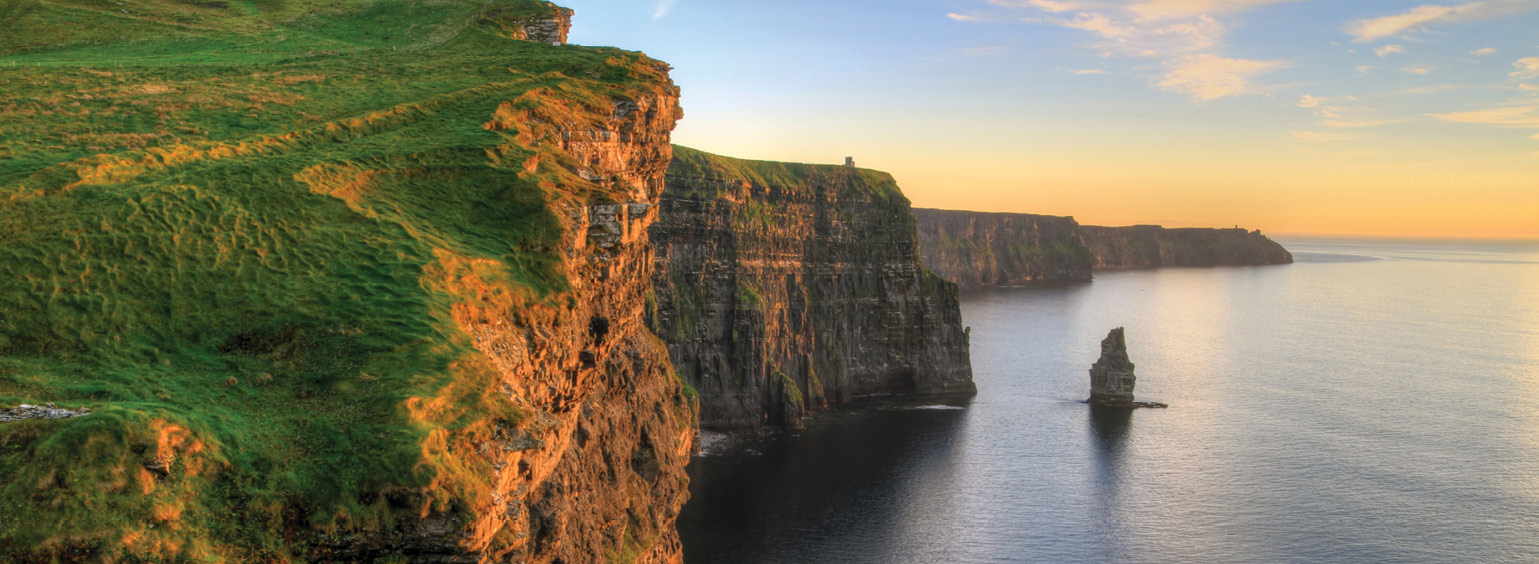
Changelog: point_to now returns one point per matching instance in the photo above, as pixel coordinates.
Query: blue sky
(1291, 115)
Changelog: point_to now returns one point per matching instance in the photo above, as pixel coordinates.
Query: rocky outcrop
(980, 249)
(783, 288)
(24, 412)
(543, 26)
(977, 249)
(1111, 377)
(1152, 246)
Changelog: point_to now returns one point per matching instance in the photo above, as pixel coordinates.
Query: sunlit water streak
(1374, 402)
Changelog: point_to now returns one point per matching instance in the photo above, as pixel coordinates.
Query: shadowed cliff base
(782, 288)
(982, 249)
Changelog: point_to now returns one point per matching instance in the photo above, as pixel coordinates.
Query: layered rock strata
(980, 249)
(783, 288)
(1111, 377)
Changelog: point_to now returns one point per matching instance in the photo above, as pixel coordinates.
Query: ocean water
(1375, 402)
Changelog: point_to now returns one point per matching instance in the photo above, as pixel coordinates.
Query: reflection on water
(803, 493)
(1374, 412)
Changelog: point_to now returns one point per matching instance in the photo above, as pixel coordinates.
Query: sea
(1374, 402)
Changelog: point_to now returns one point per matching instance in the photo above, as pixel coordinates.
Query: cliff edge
(782, 288)
(1152, 246)
(977, 249)
(332, 282)
(982, 249)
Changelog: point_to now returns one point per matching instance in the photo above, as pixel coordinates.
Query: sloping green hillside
(235, 230)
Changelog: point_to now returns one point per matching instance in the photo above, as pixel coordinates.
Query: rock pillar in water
(1111, 377)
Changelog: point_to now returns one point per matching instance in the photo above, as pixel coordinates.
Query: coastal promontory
(982, 249)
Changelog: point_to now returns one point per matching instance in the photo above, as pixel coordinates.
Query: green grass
(693, 163)
(239, 234)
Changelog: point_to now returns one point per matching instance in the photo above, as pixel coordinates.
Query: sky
(1317, 117)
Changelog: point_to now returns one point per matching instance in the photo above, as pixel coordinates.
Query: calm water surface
(1374, 402)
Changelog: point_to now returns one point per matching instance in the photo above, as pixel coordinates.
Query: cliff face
(1152, 246)
(787, 287)
(979, 249)
(394, 314)
(976, 249)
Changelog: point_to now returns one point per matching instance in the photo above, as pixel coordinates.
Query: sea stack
(1111, 377)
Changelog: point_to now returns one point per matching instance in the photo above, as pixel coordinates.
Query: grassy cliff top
(237, 232)
(693, 163)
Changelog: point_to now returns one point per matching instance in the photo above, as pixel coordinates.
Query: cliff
(1152, 246)
(979, 249)
(976, 249)
(332, 282)
(782, 288)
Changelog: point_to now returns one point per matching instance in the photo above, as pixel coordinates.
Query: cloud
(1484, 52)
(1527, 68)
(1085, 72)
(1388, 50)
(1210, 77)
(1165, 9)
(1322, 137)
(1363, 69)
(1098, 24)
(1371, 29)
(1421, 71)
(663, 7)
(1181, 34)
(963, 17)
(1044, 5)
(1434, 89)
(1509, 116)
(1535, 137)
(1308, 101)
(1529, 87)
(1357, 124)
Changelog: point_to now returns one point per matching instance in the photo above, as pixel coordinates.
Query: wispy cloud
(1436, 88)
(1529, 87)
(1345, 112)
(1044, 5)
(1388, 50)
(1527, 68)
(1086, 72)
(663, 7)
(1163, 9)
(1522, 116)
(964, 17)
(1421, 71)
(1372, 29)
(1182, 35)
(1210, 77)
(1488, 51)
(1357, 124)
(1364, 69)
